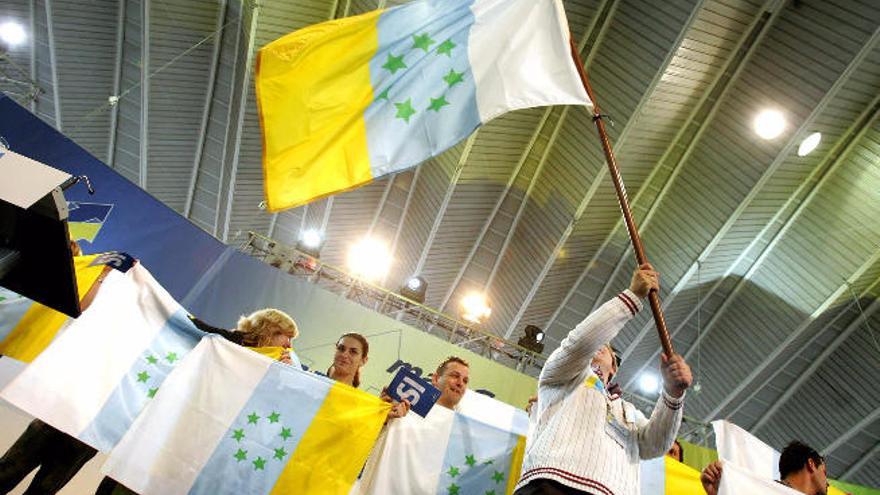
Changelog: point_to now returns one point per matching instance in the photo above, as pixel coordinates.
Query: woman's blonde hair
(255, 328)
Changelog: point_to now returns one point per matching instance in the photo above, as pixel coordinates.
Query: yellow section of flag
(681, 478)
(39, 325)
(326, 460)
(519, 452)
(313, 86)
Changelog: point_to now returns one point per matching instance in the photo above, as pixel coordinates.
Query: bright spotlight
(648, 383)
(310, 242)
(369, 259)
(809, 144)
(414, 288)
(475, 308)
(769, 124)
(12, 33)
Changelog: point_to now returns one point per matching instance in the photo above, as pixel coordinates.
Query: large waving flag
(346, 101)
(477, 450)
(233, 421)
(27, 327)
(97, 376)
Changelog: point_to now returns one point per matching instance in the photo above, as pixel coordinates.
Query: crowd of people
(584, 439)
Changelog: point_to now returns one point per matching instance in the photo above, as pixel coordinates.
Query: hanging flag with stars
(95, 378)
(347, 101)
(233, 421)
(476, 450)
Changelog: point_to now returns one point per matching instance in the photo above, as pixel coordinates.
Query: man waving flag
(347, 101)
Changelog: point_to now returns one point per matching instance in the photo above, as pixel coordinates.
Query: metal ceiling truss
(796, 334)
(145, 94)
(438, 218)
(803, 377)
(852, 469)
(53, 60)
(708, 108)
(206, 112)
(402, 219)
(117, 82)
(835, 157)
(244, 91)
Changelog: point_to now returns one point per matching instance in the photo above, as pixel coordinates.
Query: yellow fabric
(336, 444)
(39, 325)
(273, 353)
(516, 461)
(682, 479)
(313, 86)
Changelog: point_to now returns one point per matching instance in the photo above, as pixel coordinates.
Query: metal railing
(337, 280)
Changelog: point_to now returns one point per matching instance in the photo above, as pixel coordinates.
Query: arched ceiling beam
(117, 81)
(824, 170)
(817, 363)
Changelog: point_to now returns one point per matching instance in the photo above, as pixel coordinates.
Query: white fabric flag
(736, 480)
(97, 376)
(738, 446)
(471, 450)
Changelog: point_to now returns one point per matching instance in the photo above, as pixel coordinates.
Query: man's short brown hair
(451, 359)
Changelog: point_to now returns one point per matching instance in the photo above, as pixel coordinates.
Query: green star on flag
(453, 471)
(405, 110)
(285, 433)
(152, 392)
(171, 357)
(241, 455)
(143, 376)
(489, 492)
(238, 434)
(259, 464)
(422, 41)
(438, 103)
(445, 48)
(280, 453)
(453, 489)
(453, 77)
(393, 64)
(498, 476)
(490, 461)
(152, 359)
(252, 418)
(470, 460)
(383, 95)
(273, 418)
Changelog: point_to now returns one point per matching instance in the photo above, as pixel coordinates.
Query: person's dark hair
(365, 348)
(451, 359)
(795, 456)
(680, 457)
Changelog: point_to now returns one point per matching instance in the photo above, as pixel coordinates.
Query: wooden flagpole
(653, 297)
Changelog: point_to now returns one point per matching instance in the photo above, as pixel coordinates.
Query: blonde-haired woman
(267, 327)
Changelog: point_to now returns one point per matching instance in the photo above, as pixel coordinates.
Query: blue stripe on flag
(143, 379)
(477, 458)
(259, 443)
(12, 307)
(424, 91)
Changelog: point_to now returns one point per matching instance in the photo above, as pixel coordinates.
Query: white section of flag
(400, 461)
(68, 383)
(202, 397)
(738, 446)
(494, 413)
(520, 56)
(736, 480)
